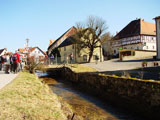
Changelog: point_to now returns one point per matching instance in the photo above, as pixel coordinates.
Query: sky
(44, 20)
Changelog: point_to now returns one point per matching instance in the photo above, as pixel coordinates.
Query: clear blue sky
(42, 20)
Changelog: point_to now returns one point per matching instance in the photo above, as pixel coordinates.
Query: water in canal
(86, 106)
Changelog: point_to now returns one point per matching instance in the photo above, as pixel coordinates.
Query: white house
(2, 51)
(157, 19)
(37, 53)
(137, 35)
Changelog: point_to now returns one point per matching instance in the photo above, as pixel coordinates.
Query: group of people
(10, 63)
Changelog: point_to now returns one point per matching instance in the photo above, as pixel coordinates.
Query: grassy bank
(78, 68)
(27, 98)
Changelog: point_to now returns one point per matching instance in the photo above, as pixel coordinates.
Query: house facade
(137, 35)
(157, 19)
(35, 52)
(67, 48)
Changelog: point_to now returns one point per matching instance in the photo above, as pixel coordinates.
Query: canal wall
(140, 96)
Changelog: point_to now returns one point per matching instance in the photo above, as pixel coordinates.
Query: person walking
(0, 63)
(16, 60)
(7, 63)
(11, 63)
(71, 58)
(3, 57)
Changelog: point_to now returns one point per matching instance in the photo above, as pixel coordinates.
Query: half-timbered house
(137, 35)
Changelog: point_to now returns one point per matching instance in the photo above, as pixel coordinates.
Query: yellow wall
(78, 58)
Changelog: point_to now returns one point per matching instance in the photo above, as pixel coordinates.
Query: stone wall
(140, 96)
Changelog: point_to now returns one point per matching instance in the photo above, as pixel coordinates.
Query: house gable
(36, 51)
(2, 51)
(56, 43)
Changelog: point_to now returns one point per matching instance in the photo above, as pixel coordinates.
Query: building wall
(82, 57)
(140, 55)
(38, 55)
(158, 37)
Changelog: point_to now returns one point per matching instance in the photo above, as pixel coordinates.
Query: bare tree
(89, 34)
(106, 37)
(106, 45)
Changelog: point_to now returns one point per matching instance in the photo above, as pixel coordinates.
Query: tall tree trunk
(90, 56)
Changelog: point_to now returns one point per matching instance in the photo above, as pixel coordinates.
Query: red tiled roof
(137, 27)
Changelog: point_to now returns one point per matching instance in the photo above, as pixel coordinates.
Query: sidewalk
(6, 78)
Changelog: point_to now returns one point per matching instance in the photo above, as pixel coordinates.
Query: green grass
(27, 98)
(78, 68)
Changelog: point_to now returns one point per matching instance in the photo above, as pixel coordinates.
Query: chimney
(51, 41)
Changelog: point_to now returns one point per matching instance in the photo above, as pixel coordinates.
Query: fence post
(56, 58)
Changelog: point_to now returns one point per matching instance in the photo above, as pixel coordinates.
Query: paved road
(6, 78)
(116, 65)
(128, 68)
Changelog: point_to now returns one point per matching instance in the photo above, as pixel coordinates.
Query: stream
(90, 108)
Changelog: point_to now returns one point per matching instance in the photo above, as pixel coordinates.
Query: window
(146, 47)
(72, 46)
(153, 47)
(114, 51)
(38, 52)
(64, 48)
(85, 58)
(137, 47)
(152, 38)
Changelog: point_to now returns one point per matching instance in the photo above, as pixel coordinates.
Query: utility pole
(27, 41)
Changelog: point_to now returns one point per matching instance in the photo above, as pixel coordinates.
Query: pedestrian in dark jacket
(11, 62)
(16, 61)
(0, 63)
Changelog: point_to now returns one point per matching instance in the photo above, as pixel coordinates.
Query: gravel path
(6, 78)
